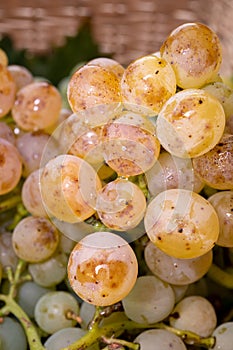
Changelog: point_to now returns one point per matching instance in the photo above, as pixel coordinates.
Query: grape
(8, 90)
(151, 300)
(31, 147)
(102, 268)
(90, 86)
(109, 64)
(35, 239)
(7, 133)
(63, 338)
(10, 166)
(51, 272)
(121, 205)
(172, 172)
(66, 244)
(86, 314)
(28, 294)
(51, 310)
(37, 106)
(69, 187)
(223, 204)
(63, 115)
(12, 335)
(130, 146)
(179, 291)
(195, 53)
(195, 314)
(3, 58)
(7, 253)
(215, 167)
(21, 75)
(190, 123)
(224, 336)
(176, 271)
(159, 339)
(182, 223)
(31, 195)
(149, 82)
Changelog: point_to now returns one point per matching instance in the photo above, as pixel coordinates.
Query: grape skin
(224, 336)
(21, 75)
(102, 268)
(159, 339)
(8, 90)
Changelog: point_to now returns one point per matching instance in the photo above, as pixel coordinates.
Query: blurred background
(52, 37)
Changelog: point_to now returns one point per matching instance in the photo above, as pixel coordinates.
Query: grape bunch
(116, 213)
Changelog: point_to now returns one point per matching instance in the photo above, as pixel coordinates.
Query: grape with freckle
(115, 209)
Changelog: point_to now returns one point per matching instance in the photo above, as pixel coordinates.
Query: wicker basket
(126, 29)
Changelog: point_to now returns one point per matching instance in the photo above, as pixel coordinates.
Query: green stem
(122, 342)
(10, 203)
(30, 330)
(221, 277)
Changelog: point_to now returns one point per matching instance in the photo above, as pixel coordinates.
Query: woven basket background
(126, 29)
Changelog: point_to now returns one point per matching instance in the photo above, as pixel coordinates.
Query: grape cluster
(117, 213)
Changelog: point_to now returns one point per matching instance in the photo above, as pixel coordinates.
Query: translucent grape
(63, 338)
(172, 172)
(93, 85)
(37, 106)
(12, 335)
(86, 314)
(224, 336)
(195, 53)
(195, 314)
(121, 205)
(215, 167)
(130, 146)
(223, 204)
(8, 90)
(51, 311)
(21, 75)
(3, 58)
(7, 253)
(158, 339)
(151, 300)
(10, 166)
(28, 294)
(148, 82)
(179, 291)
(176, 271)
(63, 115)
(35, 239)
(182, 223)
(31, 195)
(102, 268)
(7, 133)
(69, 187)
(109, 64)
(190, 123)
(51, 272)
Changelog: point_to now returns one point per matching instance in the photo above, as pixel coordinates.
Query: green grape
(148, 82)
(7, 253)
(151, 300)
(86, 314)
(35, 239)
(69, 187)
(159, 339)
(172, 172)
(93, 85)
(190, 123)
(121, 205)
(37, 106)
(130, 146)
(179, 291)
(10, 166)
(12, 335)
(224, 336)
(109, 64)
(51, 311)
(21, 75)
(63, 338)
(182, 223)
(173, 270)
(215, 167)
(8, 90)
(28, 294)
(51, 272)
(195, 53)
(102, 268)
(223, 204)
(195, 314)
